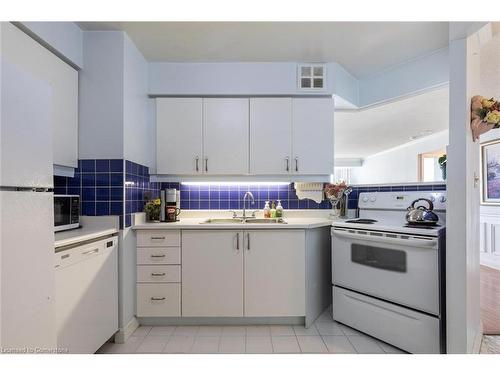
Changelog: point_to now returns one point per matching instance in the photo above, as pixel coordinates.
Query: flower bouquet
(335, 194)
(485, 115)
(152, 209)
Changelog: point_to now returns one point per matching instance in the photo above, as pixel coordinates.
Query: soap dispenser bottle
(279, 209)
(267, 213)
(273, 210)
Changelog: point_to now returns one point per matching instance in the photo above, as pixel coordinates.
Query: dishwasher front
(86, 297)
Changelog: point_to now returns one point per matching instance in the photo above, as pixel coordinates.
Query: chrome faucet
(247, 194)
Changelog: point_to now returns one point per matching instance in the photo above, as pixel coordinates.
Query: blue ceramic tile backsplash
(121, 187)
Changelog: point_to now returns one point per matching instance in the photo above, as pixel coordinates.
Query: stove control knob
(373, 199)
(365, 199)
(442, 199)
(432, 198)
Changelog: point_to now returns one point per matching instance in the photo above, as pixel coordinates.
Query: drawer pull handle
(90, 252)
(158, 298)
(158, 238)
(158, 274)
(158, 256)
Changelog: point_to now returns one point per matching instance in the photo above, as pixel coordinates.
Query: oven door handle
(425, 243)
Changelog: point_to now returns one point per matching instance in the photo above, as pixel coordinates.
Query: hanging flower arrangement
(485, 115)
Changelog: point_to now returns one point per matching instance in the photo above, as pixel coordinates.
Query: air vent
(311, 77)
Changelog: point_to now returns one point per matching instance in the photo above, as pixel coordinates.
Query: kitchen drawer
(159, 238)
(158, 300)
(404, 328)
(158, 274)
(158, 255)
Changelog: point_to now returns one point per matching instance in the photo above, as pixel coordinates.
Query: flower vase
(335, 213)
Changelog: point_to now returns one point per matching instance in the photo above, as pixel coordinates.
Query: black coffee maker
(170, 205)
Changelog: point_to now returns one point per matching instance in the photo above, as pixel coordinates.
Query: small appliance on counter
(170, 205)
(66, 212)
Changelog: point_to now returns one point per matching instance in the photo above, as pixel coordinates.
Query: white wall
(138, 135)
(406, 78)
(399, 164)
(462, 216)
(64, 38)
(101, 96)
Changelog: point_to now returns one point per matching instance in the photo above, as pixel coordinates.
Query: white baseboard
(124, 333)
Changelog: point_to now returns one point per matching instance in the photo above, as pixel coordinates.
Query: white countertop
(91, 227)
(196, 223)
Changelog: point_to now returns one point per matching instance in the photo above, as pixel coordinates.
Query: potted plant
(152, 209)
(442, 165)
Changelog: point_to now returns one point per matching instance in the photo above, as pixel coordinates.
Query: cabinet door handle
(287, 164)
(157, 256)
(248, 241)
(90, 252)
(158, 298)
(237, 241)
(206, 164)
(296, 164)
(158, 238)
(197, 164)
(158, 274)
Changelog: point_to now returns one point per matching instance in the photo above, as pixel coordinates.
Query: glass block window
(311, 76)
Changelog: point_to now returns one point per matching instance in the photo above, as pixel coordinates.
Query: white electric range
(388, 277)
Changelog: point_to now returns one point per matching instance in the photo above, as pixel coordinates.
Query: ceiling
(363, 48)
(362, 133)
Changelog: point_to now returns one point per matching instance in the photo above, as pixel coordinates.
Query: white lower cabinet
(158, 299)
(274, 273)
(255, 273)
(212, 273)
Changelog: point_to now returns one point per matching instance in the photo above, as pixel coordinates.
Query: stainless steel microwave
(66, 212)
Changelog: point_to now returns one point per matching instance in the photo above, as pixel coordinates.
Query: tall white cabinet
(225, 135)
(21, 50)
(245, 136)
(312, 136)
(179, 135)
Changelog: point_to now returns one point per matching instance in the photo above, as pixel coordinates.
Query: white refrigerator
(26, 213)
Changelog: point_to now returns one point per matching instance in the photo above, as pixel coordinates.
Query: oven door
(403, 269)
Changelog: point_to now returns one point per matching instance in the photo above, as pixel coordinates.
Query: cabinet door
(312, 131)
(225, 136)
(274, 273)
(212, 273)
(178, 135)
(21, 50)
(270, 135)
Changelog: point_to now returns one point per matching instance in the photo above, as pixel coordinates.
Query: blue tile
(293, 204)
(102, 165)
(74, 181)
(194, 195)
(102, 194)
(60, 190)
(184, 195)
(88, 179)
(116, 165)
(234, 195)
(303, 204)
(102, 208)
(88, 208)
(88, 166)
(234, 205)
(214, 204)
(116, 194)
(224, 205)
(102, 179)
(184, 205)
(116, 179)
(204, 205)
(214, 195)
(116, 208)
(194, 205)
(74, 191)
(88, 194)
(224, 194)
(60, 181)
(128, 166)
(128, 220)
(128, 207)
(312, 205)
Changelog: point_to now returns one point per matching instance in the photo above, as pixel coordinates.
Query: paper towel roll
(309, 190)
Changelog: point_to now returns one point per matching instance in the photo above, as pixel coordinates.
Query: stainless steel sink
(223, 221)
(243, 221)
(265, 221)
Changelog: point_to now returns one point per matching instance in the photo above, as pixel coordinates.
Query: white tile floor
(325, 336)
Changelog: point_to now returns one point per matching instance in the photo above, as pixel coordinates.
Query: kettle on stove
(421, 214)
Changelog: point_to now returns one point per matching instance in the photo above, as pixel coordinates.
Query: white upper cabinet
(22, 51)
(241, 136)
(270, 135)
(312, 136)
(225, 136)
(179, 135)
